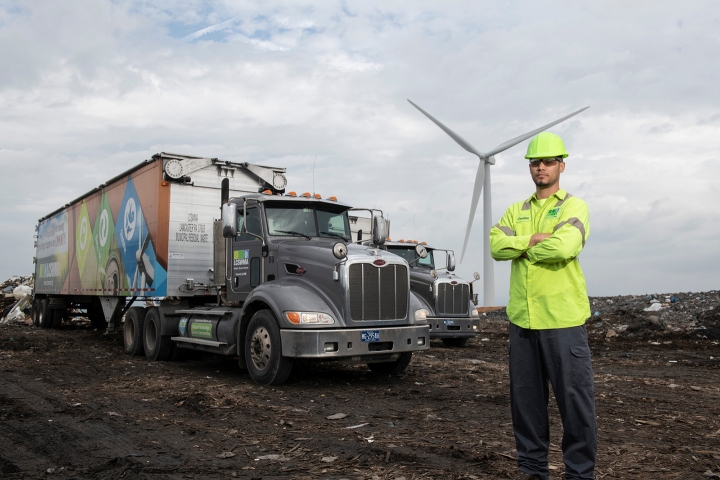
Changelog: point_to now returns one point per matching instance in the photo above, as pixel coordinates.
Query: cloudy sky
(91, 88)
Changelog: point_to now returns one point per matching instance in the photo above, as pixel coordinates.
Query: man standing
(548, 306)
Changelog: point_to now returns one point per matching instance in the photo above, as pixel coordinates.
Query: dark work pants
(560, 357)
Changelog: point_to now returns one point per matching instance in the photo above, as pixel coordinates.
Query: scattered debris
(358, 426)
(337, 416)
(16, 299)
(275, 457)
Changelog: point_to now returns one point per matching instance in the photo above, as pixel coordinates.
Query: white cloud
(91, 88)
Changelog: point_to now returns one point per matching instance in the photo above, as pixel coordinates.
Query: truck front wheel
(392, 368)
(263, 351)
(157, 346)
(133, 331)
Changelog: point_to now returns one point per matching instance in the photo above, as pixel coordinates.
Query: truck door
(247, 261)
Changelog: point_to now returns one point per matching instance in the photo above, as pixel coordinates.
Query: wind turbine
(483, 179)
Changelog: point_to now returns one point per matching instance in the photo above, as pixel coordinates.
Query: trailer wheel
(36, 309)
(133, 331)
(56, 316)
(157, 347)
(455, 342)
(392, 368)
(45, 314)
(263, 351)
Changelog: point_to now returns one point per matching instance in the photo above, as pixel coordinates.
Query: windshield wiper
(292, 232)
(336, 235)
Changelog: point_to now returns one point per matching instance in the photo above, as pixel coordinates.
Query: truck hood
(317, 259)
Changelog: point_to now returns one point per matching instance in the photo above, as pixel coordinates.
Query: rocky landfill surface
(695, 315)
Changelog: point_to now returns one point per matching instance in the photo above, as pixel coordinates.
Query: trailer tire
(157, 347)
(45, 314)
(455, 342)
(133, 330)
(392, 368)
(36, 309)
(56, 316)
(263, 350)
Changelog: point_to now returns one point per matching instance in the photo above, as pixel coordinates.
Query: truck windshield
(410, 255)
(307, 220)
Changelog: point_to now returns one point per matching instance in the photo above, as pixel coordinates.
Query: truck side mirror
(450, 261)
(229, 220)
(379, 230)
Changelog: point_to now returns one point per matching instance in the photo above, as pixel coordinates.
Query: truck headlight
(309, 318)
(474, 313)
(421, 315)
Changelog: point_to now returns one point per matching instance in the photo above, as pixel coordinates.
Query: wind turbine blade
(460, 141)
(477, 190)
(521, 138)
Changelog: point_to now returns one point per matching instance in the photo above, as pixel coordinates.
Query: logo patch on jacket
(553, 213)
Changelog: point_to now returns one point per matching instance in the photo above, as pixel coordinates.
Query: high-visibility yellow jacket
(547, 286)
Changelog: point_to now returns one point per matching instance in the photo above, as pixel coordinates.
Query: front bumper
(350, 343)
(454, 327)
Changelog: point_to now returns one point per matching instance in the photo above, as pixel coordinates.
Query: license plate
(370, 335)
(449, 323)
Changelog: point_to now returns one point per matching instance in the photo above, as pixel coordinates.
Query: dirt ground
(72, 405)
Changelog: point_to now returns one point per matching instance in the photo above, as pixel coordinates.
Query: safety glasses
(548, 162)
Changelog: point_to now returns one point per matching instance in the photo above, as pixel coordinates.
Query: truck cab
(449, 299)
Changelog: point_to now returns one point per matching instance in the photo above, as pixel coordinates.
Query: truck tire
(263, 350)
(56, 316)
(157, 347)
(36, 309)
(455, 342)
(392, 368)
(45, 314)
(133, 331)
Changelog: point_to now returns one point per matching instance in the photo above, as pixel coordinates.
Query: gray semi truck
(275, 278)
(450, 300)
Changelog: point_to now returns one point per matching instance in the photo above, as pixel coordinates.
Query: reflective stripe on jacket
(547, 286)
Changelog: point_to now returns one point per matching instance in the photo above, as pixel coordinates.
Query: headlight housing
(421, 315)
(315, 318)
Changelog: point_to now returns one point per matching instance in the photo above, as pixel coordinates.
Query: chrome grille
(378, 293)
(453, 299)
